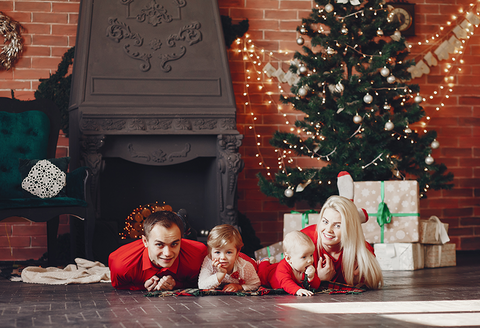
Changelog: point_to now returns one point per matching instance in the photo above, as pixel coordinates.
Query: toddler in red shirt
(289, 274)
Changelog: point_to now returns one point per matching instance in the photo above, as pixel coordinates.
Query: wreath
(12, 42)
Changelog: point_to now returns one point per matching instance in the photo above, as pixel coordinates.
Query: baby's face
(301, 257)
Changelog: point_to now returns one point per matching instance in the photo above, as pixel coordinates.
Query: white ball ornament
(379, 32)
(357, 119)
(302, 69)
(302, 92)
(435, 144)
(330, 51)
(384, 72)
(300, 40)
(391, 79)
(387, 106)
(303, 30)
(389, 126)
(429, 160)
(368, 98)
(408, 130)
(344, 30)
(418, 98)
(329, 8)
(397, 35)
(288, 192)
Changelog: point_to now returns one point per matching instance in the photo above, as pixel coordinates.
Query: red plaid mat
(326, 287)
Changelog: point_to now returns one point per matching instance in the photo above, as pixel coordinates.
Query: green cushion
(22, 135)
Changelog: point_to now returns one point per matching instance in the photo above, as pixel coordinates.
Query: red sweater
(280, 275)
(130, 265)
(311, 231)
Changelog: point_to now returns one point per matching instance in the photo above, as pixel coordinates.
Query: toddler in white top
(223, 268)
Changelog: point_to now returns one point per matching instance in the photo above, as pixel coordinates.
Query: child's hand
(216, 264)
(303, 292)
(310, 272)
(325, 269)
(232, 288)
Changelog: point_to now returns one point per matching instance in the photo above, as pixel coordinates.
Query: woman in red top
(341, 252)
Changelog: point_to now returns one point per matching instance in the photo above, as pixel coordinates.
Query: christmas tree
(360, 109)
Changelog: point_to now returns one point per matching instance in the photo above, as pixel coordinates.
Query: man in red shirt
(161, 260)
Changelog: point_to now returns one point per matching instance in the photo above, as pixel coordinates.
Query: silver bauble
(288, 192)
(344, 30)
(408, 130)
(429, 160)
(368, 98)
(357, 119)
(379, 32)
(300, 41)
(302, 69)
(391, 79)
(303, 30)
(384, 72)
(329, 8)
(387, 106)
(302, 92)
(339, 87)
(435, 144)
(389, 126)
(330, 51)
(418, 98)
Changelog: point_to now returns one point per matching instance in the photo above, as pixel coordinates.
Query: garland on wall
(12, 41)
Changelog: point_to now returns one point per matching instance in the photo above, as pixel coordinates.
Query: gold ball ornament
(380, 32)
(12, 41)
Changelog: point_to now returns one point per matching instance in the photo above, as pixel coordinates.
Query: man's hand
(303, 292)
(325, 269)
(232, 288)
(156, 283)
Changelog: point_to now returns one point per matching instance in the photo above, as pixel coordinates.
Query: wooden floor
(443, 297)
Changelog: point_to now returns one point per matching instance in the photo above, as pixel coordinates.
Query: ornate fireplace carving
(151, 85)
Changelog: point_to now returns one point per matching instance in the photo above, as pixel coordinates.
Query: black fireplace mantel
(151, 85)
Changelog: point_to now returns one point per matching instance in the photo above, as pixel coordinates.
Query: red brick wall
(50, 28)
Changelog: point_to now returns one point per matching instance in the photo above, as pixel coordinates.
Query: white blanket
(85, 272)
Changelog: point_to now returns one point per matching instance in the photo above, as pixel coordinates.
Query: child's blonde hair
(352, 242)
(223, 234)
(294, 238)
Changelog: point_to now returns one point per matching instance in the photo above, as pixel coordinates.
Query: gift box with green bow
(274, 252)
(298, 220)
(393, 210)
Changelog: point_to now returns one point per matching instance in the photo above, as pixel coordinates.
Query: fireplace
(152, 109)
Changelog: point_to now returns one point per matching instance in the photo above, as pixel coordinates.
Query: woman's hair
(294, 238)
(163, 218)
(223, 234)
(352, 242)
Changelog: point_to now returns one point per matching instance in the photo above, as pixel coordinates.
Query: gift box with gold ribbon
(400, 256)
(437, 256)
(297, 220)
(392, 208)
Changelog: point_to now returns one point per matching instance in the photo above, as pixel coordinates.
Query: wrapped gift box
(440, 255)
(402, 200)
(298, 221)
(400, 256)
(433, 231)
(275, 251)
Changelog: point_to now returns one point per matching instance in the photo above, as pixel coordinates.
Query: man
(161, 260)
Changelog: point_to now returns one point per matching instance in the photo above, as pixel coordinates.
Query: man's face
(163, 245)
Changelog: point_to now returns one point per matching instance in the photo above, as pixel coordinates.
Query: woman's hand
(232, 288)
(303, 292)
(325, 269)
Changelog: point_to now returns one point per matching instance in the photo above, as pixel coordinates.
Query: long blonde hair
(353, 245)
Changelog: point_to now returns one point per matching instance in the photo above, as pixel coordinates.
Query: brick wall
(50, 28)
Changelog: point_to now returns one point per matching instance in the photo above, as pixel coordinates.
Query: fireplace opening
(125, 185)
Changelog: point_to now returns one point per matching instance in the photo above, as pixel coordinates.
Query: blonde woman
(341, 252)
